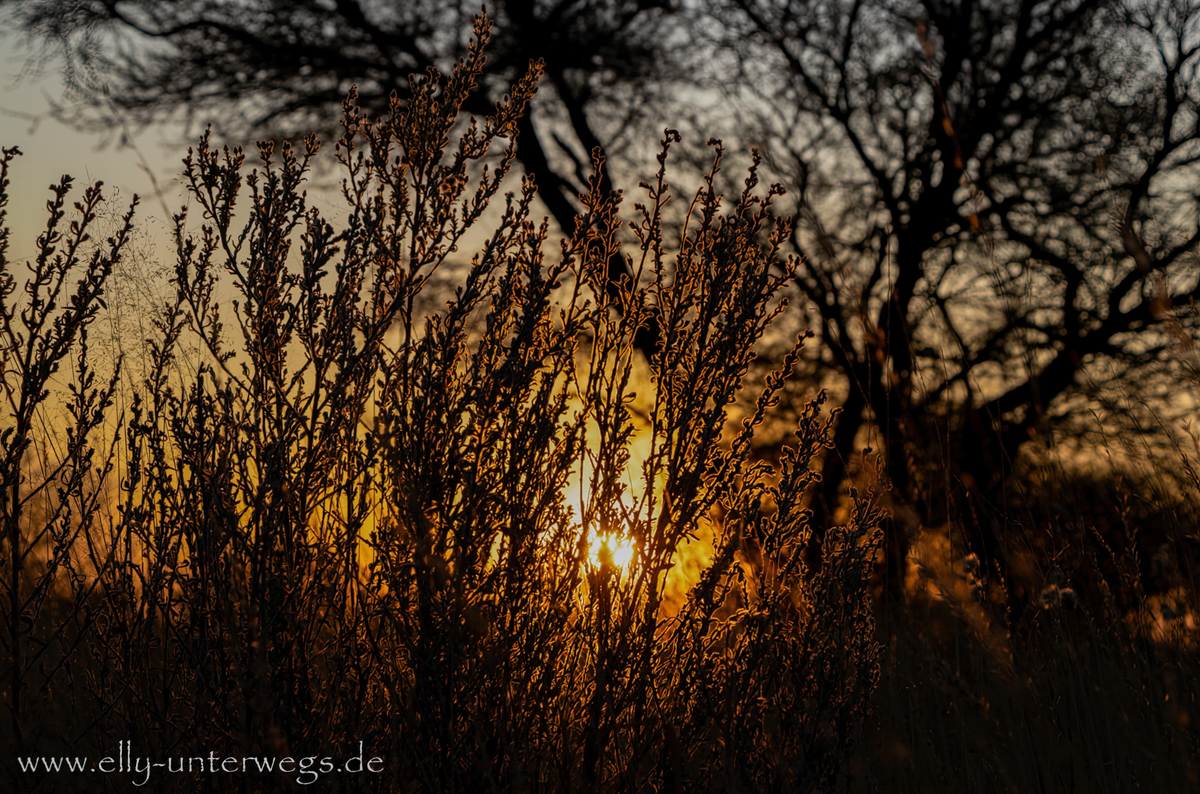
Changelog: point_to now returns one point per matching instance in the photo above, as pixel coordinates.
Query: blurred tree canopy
(996, 199)
(997, 204)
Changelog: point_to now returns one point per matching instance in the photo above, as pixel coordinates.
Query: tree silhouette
(993, 195)
(997, 198)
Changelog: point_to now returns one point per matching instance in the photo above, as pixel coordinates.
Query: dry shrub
(349, 520)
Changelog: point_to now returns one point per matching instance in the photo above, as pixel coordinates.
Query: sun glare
(610, 548)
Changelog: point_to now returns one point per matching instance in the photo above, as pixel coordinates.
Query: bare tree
(993, 195)
(996, 197)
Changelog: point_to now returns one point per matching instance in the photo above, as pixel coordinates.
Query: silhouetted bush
(363, 516)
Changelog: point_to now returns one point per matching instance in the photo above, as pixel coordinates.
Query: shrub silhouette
(348, 519)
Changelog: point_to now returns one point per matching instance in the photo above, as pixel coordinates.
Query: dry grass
(1089, 689)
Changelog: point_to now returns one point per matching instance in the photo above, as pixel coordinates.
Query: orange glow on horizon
(611, 548)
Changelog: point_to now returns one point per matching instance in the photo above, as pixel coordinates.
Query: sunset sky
(51, 149)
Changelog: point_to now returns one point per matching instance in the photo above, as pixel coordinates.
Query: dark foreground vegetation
(511, 511)
(340, 518)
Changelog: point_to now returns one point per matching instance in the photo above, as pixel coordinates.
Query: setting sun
(611, 548)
